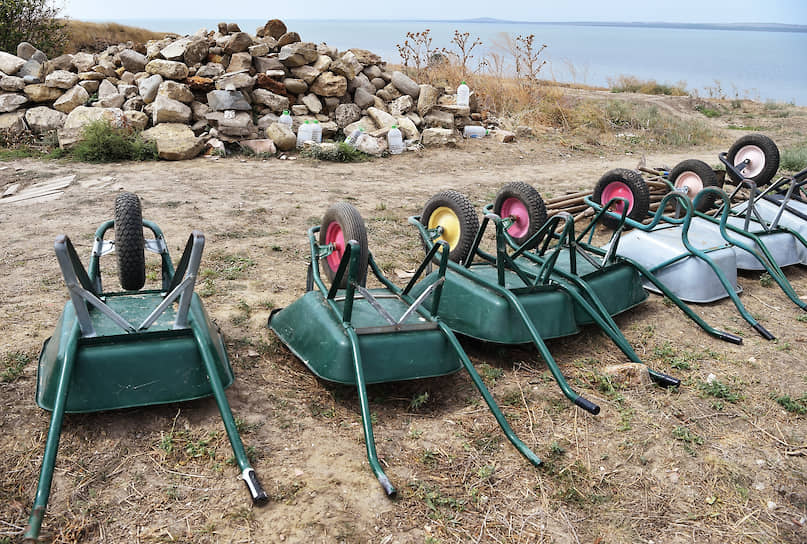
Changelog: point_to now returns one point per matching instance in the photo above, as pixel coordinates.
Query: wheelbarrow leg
(259, 496)
(494, 408)
(366, 419)
(52, 443)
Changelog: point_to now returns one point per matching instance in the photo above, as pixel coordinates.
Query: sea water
(762, 65)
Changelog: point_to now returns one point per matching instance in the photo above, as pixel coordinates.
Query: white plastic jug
(355, 136)
(395, 141)
(303, 133)
(316, 132)
(285, 119)
(463, 95)
(473, 131)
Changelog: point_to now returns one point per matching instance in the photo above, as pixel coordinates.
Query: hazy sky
(692, 11)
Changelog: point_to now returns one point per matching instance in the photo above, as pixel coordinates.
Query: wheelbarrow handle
(259, 496)
(587, 405)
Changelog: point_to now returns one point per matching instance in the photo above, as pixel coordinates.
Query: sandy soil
(655, 466)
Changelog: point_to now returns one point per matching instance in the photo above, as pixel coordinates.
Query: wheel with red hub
(524, 205)
(456, 218)
(627, 184)
(694, 176)
(342, 223)
(756, 157)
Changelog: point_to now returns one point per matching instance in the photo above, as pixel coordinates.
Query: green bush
(31, 21)
(101, 142)
(794, 159)
(342, 152)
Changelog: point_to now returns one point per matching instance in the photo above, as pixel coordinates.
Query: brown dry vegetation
(89, 36)
(698, 464)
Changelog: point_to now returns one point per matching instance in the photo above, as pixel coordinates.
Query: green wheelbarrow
(354, 335)
(520, 296)
(114, 350)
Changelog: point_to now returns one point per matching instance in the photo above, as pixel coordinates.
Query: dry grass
(87, 36)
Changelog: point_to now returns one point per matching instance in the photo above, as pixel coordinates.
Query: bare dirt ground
(662, 466)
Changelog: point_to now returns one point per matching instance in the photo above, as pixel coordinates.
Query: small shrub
(13, 365)
(708, 112)
(342, 152)
(719, 390)
(794, 406)
(794, 159)
(101, 142)
(632, 84)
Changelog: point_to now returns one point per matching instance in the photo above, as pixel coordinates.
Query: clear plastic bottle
(473, 131)
(316, 132)
(463, 95)
(355, 136)
(303, 133)
(285, 119)
(395, 141)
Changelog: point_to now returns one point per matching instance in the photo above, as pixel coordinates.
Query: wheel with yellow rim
(453, 214)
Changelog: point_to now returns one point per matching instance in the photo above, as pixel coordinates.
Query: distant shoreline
(754, 27)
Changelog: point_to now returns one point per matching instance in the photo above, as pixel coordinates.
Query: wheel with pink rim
(340, 224)
(625, 184)
(694, 176)
(756, 157)
(523, 205)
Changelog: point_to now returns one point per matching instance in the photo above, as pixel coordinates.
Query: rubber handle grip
(664, 379)
(389, 489)
(587, 405)
(763, 332)
(259, 496)
(730, 338)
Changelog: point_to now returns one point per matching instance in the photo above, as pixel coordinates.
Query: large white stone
(43, 119)
(175, 142)
(10, 64)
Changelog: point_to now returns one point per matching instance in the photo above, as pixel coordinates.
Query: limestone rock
(404, 83)
(11, 83)
(274, 28)
(266, 64)
(372, 71)
(274, 102)
(175, 142)
(136, 119)
(89, 86)
(408, 128)
(378, 83)
(175, 50)
(73, 98)
(13, 123)
(25, 50)
(439, 136)
(149, 87)
(361, 81)
(238, 43)
(346, 114)
(231, 125)
(382, 119)
(322, 63)
(439, 119)
(211, 70)
(298, 110)
(427, 98)
(401, 105)
(106, 89)
(503, 136)
(629, 374)
(199, 110)
(298, 54)
(42, 93)
(220, 100)
(306, 73)
(112, 101)
(200, 84)
(106, 69)
(83, 61)
(240, 62)
(313, 103)
(454, 109)
(167, 69)
(62, 62)
(10, 64)
(365, 57)
(196, 51)
(347, 65)
(90, 76)
(232, 28)
(133, 61)
(61, 79)
(363, 99)
(32, 71)
(295, 86)
(365, 123)
(282, 136)
(288, 38)
(175, 91)
(134, 103)
(260, 147)
(43, 119)
(81, 116)
(235, 81)
(166, 110)
(371, 145)
(259, 50)
(11, 102)
(329, 84)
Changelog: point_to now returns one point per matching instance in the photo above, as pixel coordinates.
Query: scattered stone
(11, 102)
(401, 105)
(381, 118)
(175, 142)
(167, 110)
(523, 131)
(61, 79)
(503, 136)
(210, 70)
(42, 93)
(346, 114)
(42, 119)
(107, 89)
(260, 147)
(295, 86)
(197, 51)
(371, 146)
(282, 136)
(175, 91)
(149, 87)
(306, 73)
(405, 84)
(628, 374)
(274, 102)
(112, 101)
(288, 38)
(73, 98)
(32, 71)
(274, 28)
(11, 83)
(25, 50)
(133, 61)
(10, 64)
(239, 42)
(312, 103)
(439, 136)
(168, 69)
(220, 100)
(240, 62)
(239, 80)
(13, 122)
(329, 84)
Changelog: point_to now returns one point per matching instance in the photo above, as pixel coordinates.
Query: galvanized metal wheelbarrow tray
(124, 349)
(523, 297)
(360, 336)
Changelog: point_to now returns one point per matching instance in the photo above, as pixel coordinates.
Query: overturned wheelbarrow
(139, 347)
(540, 284)
(353, 335)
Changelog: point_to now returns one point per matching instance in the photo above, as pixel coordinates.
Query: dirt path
(654, 466)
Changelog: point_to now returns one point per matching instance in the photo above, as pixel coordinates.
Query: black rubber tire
(531, 199)
(637, 186)
(129, 242)
(350, 221)
(707, 177)
(466, 215)
(769, 150)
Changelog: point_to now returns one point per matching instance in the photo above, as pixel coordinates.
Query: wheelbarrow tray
(116, 370)
(663, 253)
(316, 335)
(783, 246)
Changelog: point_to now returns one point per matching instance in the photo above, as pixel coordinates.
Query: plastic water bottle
(355, 136)
(303, 133)
(316, 132)
(463, 95)
(473, 131)
(395, 141)
(285, 119)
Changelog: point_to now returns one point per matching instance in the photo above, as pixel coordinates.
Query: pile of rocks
(224, 85)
